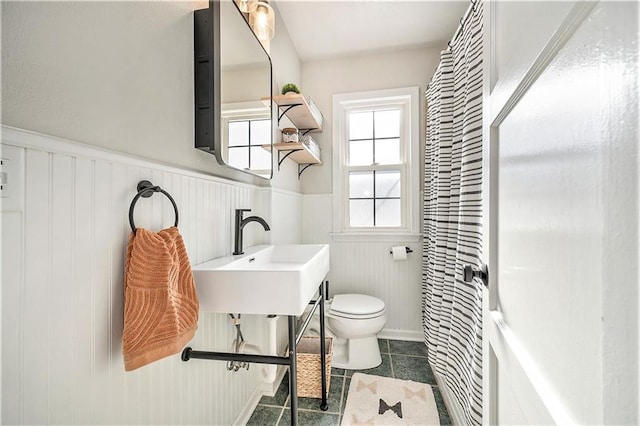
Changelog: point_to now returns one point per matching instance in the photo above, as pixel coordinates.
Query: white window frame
(408, 100)
(241, 111)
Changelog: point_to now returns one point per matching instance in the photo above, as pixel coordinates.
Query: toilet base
(356, 354)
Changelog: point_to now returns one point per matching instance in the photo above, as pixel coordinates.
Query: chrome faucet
(240, 224)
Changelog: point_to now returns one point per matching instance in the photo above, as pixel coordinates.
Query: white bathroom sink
(267, 279)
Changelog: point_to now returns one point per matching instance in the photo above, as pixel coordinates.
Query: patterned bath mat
(375, 400)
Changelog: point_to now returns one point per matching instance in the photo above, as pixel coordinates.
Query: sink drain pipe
(241, 346)
(271, 370)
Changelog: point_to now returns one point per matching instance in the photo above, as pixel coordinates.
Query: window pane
(238, 133)
(360, 213)
(260, 158)
(361, 185)
(388, 213)
(388, 124)
(388, 151)
(361, 153)
(260, 132)
(361, 125)
(239, 157)
(387, 184)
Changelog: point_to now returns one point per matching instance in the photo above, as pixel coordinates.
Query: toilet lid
(356, 304)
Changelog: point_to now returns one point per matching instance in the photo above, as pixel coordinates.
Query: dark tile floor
(400, 359)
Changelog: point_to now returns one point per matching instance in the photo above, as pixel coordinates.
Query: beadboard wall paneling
(286, 215)
(367, 267)
(317, 218)
(63, 252)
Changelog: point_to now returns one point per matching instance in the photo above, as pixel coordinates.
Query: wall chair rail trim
(400, 237)
(29, 139)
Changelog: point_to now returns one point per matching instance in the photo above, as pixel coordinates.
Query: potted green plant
(289, 89)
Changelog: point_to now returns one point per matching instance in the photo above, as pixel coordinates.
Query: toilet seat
(356, 306)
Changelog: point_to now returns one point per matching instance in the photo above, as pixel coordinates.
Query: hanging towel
(160, 300)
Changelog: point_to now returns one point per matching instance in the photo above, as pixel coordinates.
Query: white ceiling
(322, 29)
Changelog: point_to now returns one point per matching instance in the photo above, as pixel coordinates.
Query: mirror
(232, 82)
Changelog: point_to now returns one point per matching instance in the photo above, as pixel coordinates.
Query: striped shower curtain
(452, 309)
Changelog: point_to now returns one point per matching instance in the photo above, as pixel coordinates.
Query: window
(247, 127)
(375, 148)
(245, 139)
(374, 167)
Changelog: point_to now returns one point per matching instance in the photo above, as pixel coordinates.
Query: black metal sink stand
(294, 338)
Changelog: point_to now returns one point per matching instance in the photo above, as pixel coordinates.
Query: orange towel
(160, 300)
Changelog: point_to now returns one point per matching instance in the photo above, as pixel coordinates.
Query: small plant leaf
(290, 87)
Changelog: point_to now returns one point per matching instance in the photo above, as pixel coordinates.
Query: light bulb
(261, 21)
(247, 6)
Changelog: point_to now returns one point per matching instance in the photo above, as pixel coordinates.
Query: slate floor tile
(347, 383)
(407, 348)
(384, 346)
(412, 368)
(383, 369)
(281, 395)
(311, 418)
(264, 415)
(442, 409)
(337, 371)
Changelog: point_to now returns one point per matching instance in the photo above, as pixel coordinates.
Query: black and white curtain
(452, 309)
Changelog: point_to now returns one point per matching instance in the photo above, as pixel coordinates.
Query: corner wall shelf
(301, 111)
(297, 152)
(306, 117)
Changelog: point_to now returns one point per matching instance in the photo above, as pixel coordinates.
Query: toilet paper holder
(406, 248)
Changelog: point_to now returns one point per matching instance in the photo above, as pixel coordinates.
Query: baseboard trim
(262, 389)
(248, 409)
(270, 389)
(395, 334)
(453, 407)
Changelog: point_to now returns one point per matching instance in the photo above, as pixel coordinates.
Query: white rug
(375, 400)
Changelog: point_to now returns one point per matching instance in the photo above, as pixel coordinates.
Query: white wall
(286, 69)
(117, 76)
(323, 79)
(64, 231)
(287, 66)
(365, 266)
(114, 74)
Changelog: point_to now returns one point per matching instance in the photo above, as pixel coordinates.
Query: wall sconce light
(247, 6)
(261, 21)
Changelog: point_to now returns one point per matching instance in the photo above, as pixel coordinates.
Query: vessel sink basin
(266, 279)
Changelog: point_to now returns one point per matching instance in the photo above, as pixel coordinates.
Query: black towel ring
(146, 190)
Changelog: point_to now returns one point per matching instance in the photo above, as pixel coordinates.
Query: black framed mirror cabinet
(233, 88)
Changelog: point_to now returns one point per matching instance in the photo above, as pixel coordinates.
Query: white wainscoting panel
(286, 216)
(367, 267)
(63, 256)
(317, 220)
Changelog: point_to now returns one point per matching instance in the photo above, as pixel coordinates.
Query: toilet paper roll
(399, 253)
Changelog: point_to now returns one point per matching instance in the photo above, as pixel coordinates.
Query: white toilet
(355, 320)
